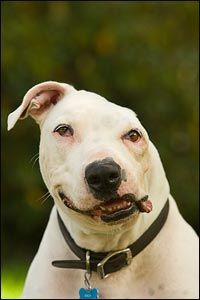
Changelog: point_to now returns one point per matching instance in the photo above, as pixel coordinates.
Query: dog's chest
(121, 285)
(115, 289)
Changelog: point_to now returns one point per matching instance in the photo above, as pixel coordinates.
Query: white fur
(168, 267)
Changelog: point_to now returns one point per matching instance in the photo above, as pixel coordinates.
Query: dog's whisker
(45, 199)
(37, 158)
(43, 196)
(37, 154)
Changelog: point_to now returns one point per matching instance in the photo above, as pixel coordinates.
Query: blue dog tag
(89, 294)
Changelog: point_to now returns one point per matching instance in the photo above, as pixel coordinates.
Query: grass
(12, 279)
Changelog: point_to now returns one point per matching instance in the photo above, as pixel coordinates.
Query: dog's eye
(133, 135)
(64, 130)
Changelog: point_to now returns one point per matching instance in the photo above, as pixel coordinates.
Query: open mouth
(115, 209)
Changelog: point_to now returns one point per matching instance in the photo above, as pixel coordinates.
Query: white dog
(113, 210)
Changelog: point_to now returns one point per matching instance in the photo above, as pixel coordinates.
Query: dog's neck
(100, 238)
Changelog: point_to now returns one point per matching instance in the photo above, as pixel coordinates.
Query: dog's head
(95, 156)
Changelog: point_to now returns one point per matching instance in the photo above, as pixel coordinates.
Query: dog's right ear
(38, 100)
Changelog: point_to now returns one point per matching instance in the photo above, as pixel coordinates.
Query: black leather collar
(105, 263)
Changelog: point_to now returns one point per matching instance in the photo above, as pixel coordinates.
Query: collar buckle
(100, 265)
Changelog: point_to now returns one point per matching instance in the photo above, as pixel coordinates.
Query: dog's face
(93, 154)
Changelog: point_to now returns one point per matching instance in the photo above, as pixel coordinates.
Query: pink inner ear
(43, 100)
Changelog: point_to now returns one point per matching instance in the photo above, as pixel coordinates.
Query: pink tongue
(145, 206)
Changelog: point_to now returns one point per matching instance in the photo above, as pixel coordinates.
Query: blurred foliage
(13, 276)
(139, 54)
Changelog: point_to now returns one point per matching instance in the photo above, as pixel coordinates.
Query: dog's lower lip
(121, 214)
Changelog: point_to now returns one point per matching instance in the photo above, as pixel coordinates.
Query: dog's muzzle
(103, 178)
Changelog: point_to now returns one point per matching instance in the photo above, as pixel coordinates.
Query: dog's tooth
(103, 208)
(119, 206)
(128, 203)
(109, 208)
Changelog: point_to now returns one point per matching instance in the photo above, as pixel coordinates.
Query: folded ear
(38, 101)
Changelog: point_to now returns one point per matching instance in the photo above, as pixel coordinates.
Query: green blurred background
(139, 54)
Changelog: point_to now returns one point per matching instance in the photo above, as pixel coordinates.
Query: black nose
(103, 177)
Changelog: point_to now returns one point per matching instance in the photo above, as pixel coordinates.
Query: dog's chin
(115, 211)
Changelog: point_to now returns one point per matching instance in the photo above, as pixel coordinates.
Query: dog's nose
(103, 177)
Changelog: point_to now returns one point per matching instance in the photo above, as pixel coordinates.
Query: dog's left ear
(38, 101)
